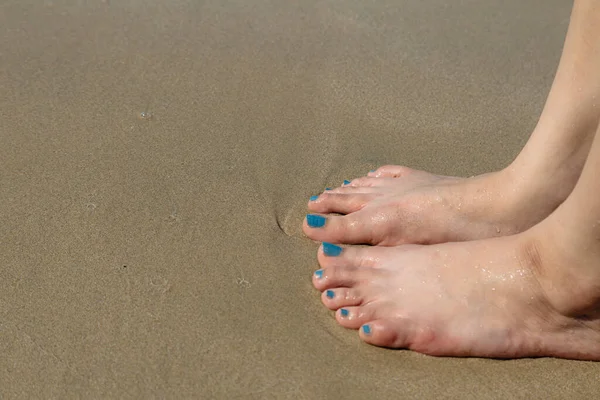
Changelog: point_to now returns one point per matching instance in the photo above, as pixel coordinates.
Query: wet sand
(156, 159)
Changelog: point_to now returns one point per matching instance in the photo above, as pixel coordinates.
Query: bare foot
(397, 205)
(534, 293)
(496, 298)
(417, 207)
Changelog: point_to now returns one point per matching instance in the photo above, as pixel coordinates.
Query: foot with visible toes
(496, 297)
(397, 205)
(532, 293)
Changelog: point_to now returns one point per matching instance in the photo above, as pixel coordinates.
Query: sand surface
(155, 162)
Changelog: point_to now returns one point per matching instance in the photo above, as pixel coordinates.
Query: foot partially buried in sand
(514, 296)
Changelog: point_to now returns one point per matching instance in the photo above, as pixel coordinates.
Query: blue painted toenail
(331, 250)
(330, 294)
(372, 170)
(344, 312)
(346, 182)
(313, 198)
(366, 329)
(327, 188)
(319, 273)
(315, 221)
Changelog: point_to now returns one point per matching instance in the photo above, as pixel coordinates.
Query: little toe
(383, 333)
(341, 297)
(339, 203)
(354, 317)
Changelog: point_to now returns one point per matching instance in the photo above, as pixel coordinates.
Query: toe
(336, 277)
(384, 333)
(331, 255)
(339, 203)
(355, 317)
(346, 266)
(341, 297)
(349, 229)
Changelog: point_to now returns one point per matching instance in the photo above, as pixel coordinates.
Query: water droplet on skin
(493, 288)
(497, 230)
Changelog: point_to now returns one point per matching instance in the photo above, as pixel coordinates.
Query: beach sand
(156, 159)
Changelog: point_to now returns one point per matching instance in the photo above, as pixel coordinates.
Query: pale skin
(516, 271)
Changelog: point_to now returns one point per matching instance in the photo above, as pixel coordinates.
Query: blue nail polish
(315, 221)
(327, 188)
(372, 171)
(313, 198)
(366, 329)
(344, 312)
(346, 182)
(319, 273)
(331, 250)
(330, 294)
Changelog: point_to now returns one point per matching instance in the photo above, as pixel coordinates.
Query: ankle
(553, 159)
(544, 181)
(567, 271)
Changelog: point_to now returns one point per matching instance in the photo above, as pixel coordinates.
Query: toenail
(313, 198)
(344, 312)
(327, 188)
(346, 182)
(330, 294)
(319, 273)
(366, 329)
(371, 171)
(331, 250)
(315, 221)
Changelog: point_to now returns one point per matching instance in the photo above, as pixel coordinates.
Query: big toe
(345, 267)
(347, 229)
